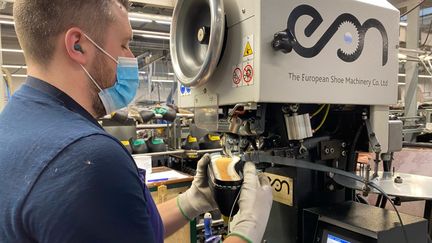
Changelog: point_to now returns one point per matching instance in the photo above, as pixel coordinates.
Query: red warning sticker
(237, 76)
(248, 74)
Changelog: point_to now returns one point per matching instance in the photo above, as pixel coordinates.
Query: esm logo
(346, 18)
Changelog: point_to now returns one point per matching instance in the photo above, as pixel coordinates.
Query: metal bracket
(375, 145)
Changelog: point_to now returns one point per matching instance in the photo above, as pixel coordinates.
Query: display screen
(334, 239)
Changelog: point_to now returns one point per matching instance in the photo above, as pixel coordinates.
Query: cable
(322, 168)
(17, 70)
(318, 111)
(232, 210)
(372, 184)
(409, 11)
(323, 120)
(427, 36)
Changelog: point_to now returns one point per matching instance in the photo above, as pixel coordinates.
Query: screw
(332, 150)
(344, 153)
(343, 145)
(326, 150)
(243, 10)
(205, 91)
(331, 187)
(398, 180)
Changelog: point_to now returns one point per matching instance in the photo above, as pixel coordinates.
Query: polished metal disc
(197, 36)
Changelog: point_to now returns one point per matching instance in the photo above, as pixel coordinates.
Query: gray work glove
(198, 198)
(255, 204)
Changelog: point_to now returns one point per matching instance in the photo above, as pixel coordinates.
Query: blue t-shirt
(64, 179)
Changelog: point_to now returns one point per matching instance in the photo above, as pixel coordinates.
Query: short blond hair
(39, 22)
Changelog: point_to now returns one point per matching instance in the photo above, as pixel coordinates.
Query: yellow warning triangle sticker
(248, 50)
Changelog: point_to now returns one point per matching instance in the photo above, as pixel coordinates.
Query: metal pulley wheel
(197, 37)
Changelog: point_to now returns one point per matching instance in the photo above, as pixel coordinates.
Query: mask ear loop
(100, 48)
(91, 78)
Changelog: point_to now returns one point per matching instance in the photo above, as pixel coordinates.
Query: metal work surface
(411, 186)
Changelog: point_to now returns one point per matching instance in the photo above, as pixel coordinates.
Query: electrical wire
(361, 180)
(427, 36)
(379, 189)
(409, 11)
(372, 184)
(17, 70)
(232, 210)
(323, 120)
(318, 111)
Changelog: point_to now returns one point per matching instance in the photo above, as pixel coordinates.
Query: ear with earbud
(78, 47)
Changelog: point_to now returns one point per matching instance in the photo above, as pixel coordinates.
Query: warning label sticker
(237, 76)
(248, 73)
(248, 48)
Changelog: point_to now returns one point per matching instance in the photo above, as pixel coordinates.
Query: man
(62, 177)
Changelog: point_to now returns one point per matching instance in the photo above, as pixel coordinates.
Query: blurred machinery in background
(299, 87)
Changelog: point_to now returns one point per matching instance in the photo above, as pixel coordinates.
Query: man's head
(50, 32)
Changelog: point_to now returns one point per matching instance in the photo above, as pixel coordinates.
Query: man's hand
(199, 198)
(255, 204)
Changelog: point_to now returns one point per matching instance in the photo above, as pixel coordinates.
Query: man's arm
(171, 216)
(173, 220)
(255, 203)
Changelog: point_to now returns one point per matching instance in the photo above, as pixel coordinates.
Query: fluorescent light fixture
(156, 37)
(401, 84)
(420, 76)
(139, 20)
(12, 50)
(144, 17)
(17, 75)
(171, 74)
(404, 24)
(163, 22)
(141, 72)
(402, 56)
(15, 66)
(162, 80)
(425, 76)
(7, 22)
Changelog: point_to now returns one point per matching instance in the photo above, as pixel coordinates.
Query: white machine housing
(370, 79)
(272, 81)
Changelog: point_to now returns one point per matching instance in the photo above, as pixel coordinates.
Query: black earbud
(78, 47)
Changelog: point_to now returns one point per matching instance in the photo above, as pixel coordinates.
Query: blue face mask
(124, 90)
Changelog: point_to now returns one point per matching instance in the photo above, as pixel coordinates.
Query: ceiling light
(148, 32)
(7, 22)
(139, 20)
(17, 75)
(402, 56)
(142, 17)
(15, 66)
(156, 37)
(163, 22)
(162, 80)
(420, 76)
(403, 24)
(12, 50)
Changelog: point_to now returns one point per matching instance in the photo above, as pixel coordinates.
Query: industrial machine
(298, 87)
